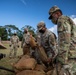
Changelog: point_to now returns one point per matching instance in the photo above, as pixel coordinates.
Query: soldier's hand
(49, 60)
(10, 45)
(18, 46)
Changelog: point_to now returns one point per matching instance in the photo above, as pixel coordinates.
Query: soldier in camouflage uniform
(25, 42)
(14, 44)
(66, 38)
(47, 40)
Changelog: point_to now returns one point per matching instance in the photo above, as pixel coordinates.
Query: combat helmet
(52, 10)
(41, 25)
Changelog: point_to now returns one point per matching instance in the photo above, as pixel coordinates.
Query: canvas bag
(30, 72)
(25, 63)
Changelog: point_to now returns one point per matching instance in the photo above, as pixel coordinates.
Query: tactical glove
(49, 60)
(18, 46)
(10, 45)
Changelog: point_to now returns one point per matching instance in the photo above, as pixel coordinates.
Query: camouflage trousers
(68, 67)
(13, 51)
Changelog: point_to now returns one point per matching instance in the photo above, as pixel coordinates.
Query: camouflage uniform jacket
(48, 41)
(38, 34)
(14, 40)
(25, 39)
(66, 34)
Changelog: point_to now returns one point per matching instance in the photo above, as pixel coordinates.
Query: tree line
(7, 31)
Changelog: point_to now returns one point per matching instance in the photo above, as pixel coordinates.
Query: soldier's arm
(22, 42)
(17, 39)
(52, 42)
(10, 41)
(64, 33)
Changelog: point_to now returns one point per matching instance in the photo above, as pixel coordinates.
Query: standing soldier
(14, 44)
(66, 38)
(47, 41)
(25, 42)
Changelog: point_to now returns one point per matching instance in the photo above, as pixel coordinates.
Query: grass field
(6, 62)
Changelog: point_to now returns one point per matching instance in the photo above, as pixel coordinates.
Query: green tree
(3, 33)
(11, 29)
(30, 29)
